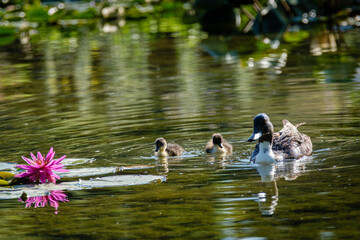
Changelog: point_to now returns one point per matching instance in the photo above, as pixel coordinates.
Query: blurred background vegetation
(19, 20)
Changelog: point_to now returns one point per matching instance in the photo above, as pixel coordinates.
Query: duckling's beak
(255, 136)
(220, 145)
(157, 148)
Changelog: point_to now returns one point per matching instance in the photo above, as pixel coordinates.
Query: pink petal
(42, 176)
(52, 179)
(54, 204)
(22, 175)
(25, 167)
(49, 153)
(55, 176)
(29, 161)
(40, 157)
(52, 156)
(43, 201)
(34, 177)
(56, 166)
(33, 157)
(59, 160)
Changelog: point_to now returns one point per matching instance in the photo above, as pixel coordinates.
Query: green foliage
(88, 14)
(6, 31)
(292, 37)
(37, 13)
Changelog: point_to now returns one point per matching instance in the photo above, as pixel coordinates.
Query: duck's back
(174, 149)
(290, 143)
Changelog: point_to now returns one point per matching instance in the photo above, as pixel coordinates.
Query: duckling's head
(160, 144)
(218, 139)
(263, 128)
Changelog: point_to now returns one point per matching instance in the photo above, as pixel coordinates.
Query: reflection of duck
(268, 198)
(288, 143)
(163, 149)
(217, 144)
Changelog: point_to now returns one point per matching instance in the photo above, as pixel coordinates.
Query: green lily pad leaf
(6, 175)
(33, 190)
(87, 172)
(3, 183)
(7, 165)
(77, 161)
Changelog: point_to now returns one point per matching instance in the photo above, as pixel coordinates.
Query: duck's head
(263, 129)
(160, 144)
(218, 139)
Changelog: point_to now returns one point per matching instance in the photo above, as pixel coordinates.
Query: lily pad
(88, 172)
(3, 182)
(121, 180)
(7, 165)
(77, 161)
(97, 171)
(6, 175)
(33, 190)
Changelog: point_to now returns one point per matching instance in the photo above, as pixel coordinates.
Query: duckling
(217, 144)
(288, 143)
(163, 149)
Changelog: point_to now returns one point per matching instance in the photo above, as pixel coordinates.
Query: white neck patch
(265, 155)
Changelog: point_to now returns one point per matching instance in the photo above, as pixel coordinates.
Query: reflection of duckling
(217, 144)
(163, 149)
(288, 143)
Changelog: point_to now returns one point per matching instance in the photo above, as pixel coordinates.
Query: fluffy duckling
(288, 143)
(163, 149)
(217, 144)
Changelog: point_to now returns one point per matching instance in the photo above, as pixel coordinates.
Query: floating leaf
(77, 161)
(6, 175)
(121, 180)
(87, 172)
(3, 183)
(7, 165)
(33, 190)
(98, 171)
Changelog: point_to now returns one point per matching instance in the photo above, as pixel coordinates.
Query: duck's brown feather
(174, 149)
(288, 143)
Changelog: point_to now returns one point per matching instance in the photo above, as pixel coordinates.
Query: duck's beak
(255, 136)
(220, 145)
(157, 148)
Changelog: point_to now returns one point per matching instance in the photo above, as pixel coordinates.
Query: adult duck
(163, 149)
(288, 143)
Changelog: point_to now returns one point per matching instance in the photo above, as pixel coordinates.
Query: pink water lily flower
(42, 168)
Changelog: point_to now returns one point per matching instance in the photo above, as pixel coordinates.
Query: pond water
(103, 98)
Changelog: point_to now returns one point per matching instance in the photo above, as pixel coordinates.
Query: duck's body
(288, 143)
(163, 149)
(217, 144)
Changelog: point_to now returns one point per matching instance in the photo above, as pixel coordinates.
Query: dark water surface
(106, 97)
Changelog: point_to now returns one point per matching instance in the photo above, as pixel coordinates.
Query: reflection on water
(53, 198)
(270, 173)
(102, 99)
